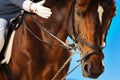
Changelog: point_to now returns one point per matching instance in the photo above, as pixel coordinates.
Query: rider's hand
(37, 8)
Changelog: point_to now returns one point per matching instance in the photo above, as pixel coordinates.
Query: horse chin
(91, 75)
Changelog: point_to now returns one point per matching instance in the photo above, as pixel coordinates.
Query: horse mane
(107, 3)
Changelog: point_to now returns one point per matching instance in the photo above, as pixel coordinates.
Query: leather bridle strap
(87, 55)
(89, 44)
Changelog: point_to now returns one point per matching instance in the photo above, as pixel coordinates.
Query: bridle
(96, 49)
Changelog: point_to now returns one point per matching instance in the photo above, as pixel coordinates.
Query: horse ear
(108, 3)
(109, 6)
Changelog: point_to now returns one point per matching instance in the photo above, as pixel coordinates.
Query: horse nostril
(87, 68)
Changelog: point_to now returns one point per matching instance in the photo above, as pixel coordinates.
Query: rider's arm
(30, 6)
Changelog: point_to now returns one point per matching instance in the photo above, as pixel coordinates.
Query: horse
(38, 51)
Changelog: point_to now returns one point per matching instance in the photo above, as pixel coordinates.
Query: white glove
(37, 8)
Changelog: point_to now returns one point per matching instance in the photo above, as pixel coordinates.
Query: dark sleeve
(18, 3)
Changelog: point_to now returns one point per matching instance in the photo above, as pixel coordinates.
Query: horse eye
(80, 14)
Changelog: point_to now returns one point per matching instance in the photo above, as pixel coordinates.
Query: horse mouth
(92, 75)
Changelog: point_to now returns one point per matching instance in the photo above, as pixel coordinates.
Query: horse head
(90, 23)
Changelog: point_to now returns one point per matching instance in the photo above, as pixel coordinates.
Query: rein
(62, 45)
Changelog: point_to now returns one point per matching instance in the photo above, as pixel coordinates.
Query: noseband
(96, 49)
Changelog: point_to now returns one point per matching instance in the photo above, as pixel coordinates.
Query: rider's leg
(3, 25)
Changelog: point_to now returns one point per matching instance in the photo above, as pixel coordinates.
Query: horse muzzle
(92, 67)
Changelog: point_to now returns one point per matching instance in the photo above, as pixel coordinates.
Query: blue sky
(111, 52)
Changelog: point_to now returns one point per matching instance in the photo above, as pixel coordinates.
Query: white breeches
(3, 25)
